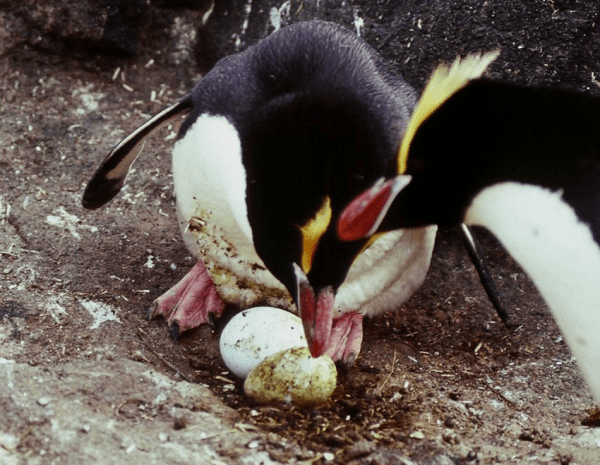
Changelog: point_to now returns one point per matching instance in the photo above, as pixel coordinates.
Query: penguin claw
(191, 302)
(174, 329)
(210, 321)
(349, 363)
(151, 311)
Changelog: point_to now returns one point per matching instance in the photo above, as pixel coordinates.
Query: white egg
(292, 376)
(255, 334)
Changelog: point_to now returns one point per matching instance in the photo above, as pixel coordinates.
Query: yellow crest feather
(444, 82)
(312, 232)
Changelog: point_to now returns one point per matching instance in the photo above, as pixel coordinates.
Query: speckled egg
(292, 376)
(255, 334)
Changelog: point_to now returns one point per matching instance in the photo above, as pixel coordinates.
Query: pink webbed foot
(346, 338)
(189, 303)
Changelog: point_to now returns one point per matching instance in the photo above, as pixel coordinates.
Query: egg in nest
(257, 333)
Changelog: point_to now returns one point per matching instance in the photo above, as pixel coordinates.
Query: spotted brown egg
(255, 334)
(292, 376)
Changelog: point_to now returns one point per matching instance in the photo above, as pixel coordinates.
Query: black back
(492, 132)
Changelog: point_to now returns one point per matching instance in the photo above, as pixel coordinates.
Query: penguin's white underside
(544, 234)
(210, 188)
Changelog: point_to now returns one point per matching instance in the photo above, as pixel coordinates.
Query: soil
(86, 378)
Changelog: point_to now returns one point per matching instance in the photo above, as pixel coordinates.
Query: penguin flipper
(110, 176)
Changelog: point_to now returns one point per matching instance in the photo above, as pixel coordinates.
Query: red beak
(366, 212)
(316, 314)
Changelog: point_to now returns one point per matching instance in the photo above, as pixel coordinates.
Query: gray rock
(61, 24)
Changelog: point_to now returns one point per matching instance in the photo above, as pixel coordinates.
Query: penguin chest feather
(210, 188)
(388, 272)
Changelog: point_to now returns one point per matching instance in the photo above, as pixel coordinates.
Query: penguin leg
(189, 303)
(346, 338)
(485, 276)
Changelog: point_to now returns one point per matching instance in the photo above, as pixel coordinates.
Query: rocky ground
(85, 378)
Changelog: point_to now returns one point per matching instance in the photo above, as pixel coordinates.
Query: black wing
(110, 176)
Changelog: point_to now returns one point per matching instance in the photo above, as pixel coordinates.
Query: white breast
(210, 187)
(543, 233)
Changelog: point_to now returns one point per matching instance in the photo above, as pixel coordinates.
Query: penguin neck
(543, 233)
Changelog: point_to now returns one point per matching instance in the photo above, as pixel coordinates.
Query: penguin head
(411, 198)
(311, 261)
(305, 159)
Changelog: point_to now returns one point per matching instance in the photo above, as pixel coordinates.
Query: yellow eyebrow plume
(312, 232)
(444, 82)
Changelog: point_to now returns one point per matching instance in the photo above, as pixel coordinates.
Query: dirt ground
(85, 378)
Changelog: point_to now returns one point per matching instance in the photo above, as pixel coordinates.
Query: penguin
(523, 163)
(277, 140)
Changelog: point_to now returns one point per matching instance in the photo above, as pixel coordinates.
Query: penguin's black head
(306, 157)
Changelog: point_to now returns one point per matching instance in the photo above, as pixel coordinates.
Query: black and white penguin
(278, 139)
(522, 162)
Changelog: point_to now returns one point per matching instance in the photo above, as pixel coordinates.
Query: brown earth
(85, 378)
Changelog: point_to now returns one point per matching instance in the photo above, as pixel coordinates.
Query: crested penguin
(276, 142)
(523, 163)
